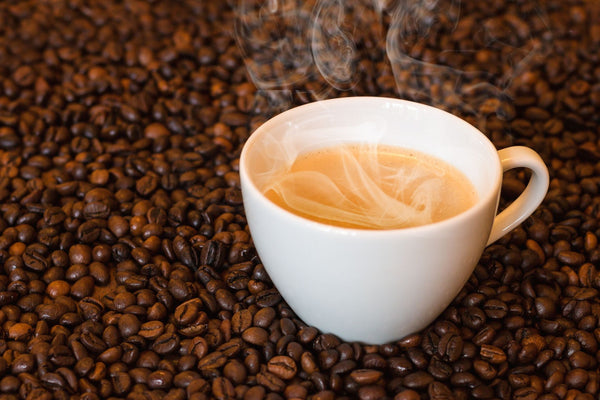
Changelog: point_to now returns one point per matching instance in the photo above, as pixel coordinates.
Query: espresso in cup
(370, 186)
(376, 285)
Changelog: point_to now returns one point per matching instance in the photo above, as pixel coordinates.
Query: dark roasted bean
(222, 389)
(450, 347)
(282, 366)
(366, 376)
(213, 360)
(270, 381)
(417, 380)
(255, 335)
(492, 354)
(165, 343)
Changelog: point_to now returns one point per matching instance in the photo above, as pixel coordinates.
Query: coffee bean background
(128, 270)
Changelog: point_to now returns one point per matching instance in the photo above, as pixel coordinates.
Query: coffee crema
(370, 186)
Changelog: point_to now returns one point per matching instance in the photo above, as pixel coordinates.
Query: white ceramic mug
(376, 286)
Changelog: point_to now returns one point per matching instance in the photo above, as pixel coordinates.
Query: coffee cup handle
(532, 196)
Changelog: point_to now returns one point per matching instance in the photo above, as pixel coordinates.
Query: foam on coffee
(370, 187)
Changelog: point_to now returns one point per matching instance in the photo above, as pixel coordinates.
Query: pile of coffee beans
(127, 268)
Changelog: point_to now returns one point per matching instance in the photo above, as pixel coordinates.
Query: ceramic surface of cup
(376, 286)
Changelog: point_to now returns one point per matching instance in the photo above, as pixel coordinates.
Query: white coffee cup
(377, 286)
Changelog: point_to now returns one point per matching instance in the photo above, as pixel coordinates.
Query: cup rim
(248, 182)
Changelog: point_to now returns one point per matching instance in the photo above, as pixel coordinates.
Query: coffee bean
(255, 335)
(492, 354)
(439, 369)
(8, 138)
(151, 329)
(20, 331)
(366, 376)
(35, 259)
(160, 379)
(464, 379)
(343, 367)
(450, 347)
(232, 347)
(213, 254)
(91, 308)
(241, 320)
(53, 380)
(83, 287)
(129, 325)
(121, 383)
(184, 252)
(222, 389)
(483, 392)
(23, 363)
(165, 343)
(235, 371)
(270, 381)
(484, 369)
(438, 390)
(282, 366)
(407, 394)
(577, 378)
(213, 360)
(24, 76)
(417, 380)
(93, 342)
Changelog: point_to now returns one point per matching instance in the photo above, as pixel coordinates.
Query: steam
(300, 51)
(332, 48)
(269, 36)
(431, 45)
(289, 44)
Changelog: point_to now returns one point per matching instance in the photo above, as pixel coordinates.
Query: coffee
(369, 186)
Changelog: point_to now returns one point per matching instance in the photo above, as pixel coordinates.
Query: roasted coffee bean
(270, 381)
(20, 331)
(121, 382)
(213, 360)
(166, 343)
(232, 347)
(91, 308)
(264, 318)
(268, 298)
(160, 379)
(439, 369)
(83, 287)
(93, 342)
(151, 329)
(343, 367)
(417, 380)
(34, 259)
(23, 363)
(492, 354)
(438, 390)
(188, 312)
(484, 369)
(366, 376)
(213, 254)
(450, 347)
(241, 320)
(222, 389)
(128, 325)
(256, 335)
(282, 366)
(89, 231)
(407, 394)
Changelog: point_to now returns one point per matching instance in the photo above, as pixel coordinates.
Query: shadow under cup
(372, 286)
